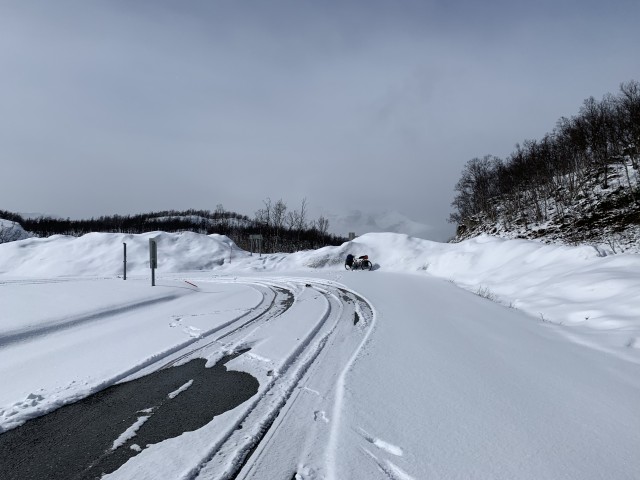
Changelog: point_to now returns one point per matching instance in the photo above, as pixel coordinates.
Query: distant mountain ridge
(278, 234)
(370, 222)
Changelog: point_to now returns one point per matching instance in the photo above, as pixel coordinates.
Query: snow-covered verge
(102, 254)
(573, 286)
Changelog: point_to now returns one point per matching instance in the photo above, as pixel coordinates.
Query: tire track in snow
(367, 312)
(192, 347)
(233, 456)
(237, 445)
(272, 311)
(149, 364)
(264, 414)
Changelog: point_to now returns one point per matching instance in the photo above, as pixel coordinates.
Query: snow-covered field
(489, 358)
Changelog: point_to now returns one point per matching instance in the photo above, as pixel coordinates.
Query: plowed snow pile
(558, 284)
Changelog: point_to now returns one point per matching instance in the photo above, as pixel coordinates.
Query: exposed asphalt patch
(288, 299)
(355, 299)
(346, 296)
(77, 441)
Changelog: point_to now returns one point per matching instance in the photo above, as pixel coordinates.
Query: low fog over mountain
(387, 221)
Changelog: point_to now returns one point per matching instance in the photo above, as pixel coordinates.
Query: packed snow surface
(490, 358)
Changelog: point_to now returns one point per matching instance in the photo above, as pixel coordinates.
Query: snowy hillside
(488, 358)
(605, 218)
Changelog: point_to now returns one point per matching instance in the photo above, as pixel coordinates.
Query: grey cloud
(119, 107)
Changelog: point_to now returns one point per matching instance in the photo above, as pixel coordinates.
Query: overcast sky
(131, 106)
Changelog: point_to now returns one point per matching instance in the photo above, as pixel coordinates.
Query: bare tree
(279, 215)
(302, 218)
(222, 218)
(594, 122)
(297, 219)
(629, 111)
(322, 224)
(556, 171)
(264, 215)
(293, 220)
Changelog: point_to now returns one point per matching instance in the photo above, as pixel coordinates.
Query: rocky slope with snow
(11, 231)
(608, 219)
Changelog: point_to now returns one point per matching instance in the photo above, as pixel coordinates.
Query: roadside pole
(153, 259)
(125, 260)
(255, 241)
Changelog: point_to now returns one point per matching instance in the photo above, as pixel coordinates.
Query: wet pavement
(76, 441)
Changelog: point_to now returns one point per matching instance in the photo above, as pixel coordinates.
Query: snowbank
(560, 284)
(12, 231)
(101, 254)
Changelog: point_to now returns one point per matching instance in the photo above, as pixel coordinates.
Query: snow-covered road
(277, 329)
(465, 388)
(395, 373)
(420, 380)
